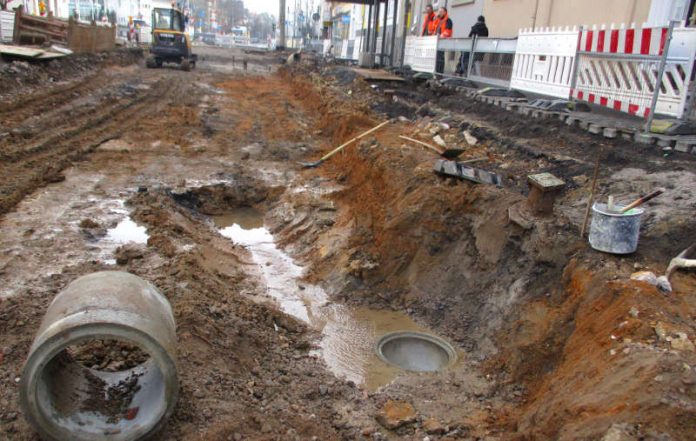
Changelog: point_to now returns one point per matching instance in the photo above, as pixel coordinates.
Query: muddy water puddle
(127, 231)
(348, 334)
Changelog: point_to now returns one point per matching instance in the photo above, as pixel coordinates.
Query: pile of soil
(108, 355)
(19, 74)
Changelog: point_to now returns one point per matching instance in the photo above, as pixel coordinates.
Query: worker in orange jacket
(443, 28)
(443, 24)
(428, 22)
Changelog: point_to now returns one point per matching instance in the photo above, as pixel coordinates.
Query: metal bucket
(615, 233)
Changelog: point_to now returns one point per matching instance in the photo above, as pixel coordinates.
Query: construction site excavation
(270, 245)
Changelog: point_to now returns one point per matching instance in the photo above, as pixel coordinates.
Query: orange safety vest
(443, 26)
(429, 25)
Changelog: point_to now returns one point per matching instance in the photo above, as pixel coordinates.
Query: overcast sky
(270, 6)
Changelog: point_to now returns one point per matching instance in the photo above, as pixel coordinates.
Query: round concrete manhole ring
(416, 351)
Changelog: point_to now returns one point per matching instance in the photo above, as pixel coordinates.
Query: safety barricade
(544, 61)
(421, 53)
(7, 20)
(619, 69)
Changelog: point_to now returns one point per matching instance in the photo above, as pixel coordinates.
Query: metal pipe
(375, 27)
(366, 46)
(64, 400)
(576, 67)
(403, 41)
(384, 33)
(660, 74)
(395, 16)
(281, 26)
(472, 54)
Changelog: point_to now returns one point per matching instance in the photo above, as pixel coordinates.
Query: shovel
(447, 153)
(341, 147)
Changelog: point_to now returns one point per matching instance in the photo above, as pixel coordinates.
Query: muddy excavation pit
(284, 282)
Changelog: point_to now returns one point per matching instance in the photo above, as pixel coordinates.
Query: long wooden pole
(424, 144)
(591, 199)
(346, 144)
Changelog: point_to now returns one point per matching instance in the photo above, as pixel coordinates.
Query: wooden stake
(424, 144)
(592, 192)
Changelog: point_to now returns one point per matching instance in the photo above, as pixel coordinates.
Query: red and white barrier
(646, 41)
(619, 68)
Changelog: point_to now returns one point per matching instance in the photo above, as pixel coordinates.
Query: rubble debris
(433, 427)
(395, 414)
(470, 139)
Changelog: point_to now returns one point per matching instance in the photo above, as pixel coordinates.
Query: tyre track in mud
(22, 107)
(35, 164)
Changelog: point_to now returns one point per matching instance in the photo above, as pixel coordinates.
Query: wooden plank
(18, 51)
(60, 35)
(376, 75)
(50, 56)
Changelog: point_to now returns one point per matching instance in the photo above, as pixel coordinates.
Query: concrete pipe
(65, 400)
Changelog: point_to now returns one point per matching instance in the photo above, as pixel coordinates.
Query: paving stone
(644, 138)
(609, 132)
(595, 129)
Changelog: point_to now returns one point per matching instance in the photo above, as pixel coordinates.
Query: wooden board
(21, 52)
(376, 74)
(50, 56)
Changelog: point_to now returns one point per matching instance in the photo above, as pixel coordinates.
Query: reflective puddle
(349, 334)
(127, 231)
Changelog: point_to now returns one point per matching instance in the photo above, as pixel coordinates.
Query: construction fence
(619, 68)
(21, 28)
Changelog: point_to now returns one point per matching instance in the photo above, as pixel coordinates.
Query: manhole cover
(416, 351)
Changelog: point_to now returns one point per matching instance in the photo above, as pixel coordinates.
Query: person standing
(443, 29)
(477, 31)
(428, 22)
(131, 31)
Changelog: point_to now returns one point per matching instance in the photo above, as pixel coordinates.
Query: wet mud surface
(282, 279)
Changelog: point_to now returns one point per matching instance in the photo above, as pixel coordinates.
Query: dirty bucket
(615, 233)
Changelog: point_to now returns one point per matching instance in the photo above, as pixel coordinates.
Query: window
(166, 19)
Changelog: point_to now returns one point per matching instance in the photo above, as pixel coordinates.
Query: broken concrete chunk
(433, 427)
(682, 343)
(395, 414)
(618, 432)
(645, 276)
(660, 331)
(439, 141)
(470, 139)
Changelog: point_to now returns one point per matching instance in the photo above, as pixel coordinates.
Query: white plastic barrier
(544, 61)
(357, 47)
(421, 53)
(344, 49)
(618, 68)
(7, 19)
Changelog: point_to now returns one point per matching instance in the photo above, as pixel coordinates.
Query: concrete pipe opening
(416, 351)
(76, 387)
